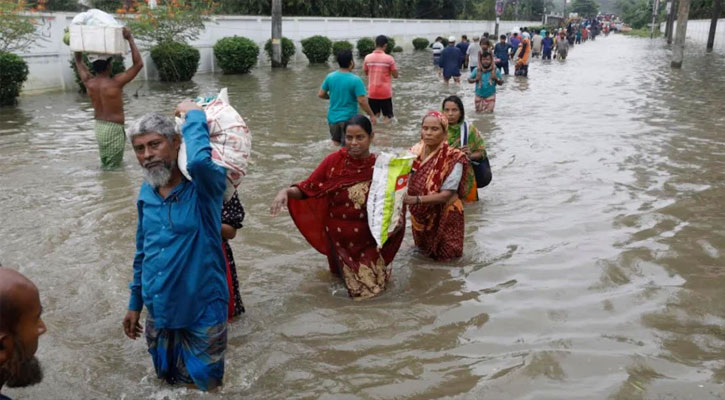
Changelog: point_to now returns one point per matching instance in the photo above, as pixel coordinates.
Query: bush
(365, 46)
(116, 68)
(420, 43)
(236, 55)
(13, 72)
(288, 50)
(391, 45)
(176, 62)
(340, 46)
(317, 48)
(398, 49)
(445, 42)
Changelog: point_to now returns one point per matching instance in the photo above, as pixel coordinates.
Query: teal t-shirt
(344, 89)
(485, 88)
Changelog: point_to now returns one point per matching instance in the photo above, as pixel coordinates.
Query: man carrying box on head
(106, 94)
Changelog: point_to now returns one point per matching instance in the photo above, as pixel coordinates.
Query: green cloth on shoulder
(475, 140)
(111, 139)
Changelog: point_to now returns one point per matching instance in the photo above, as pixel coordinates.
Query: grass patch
(643, 32)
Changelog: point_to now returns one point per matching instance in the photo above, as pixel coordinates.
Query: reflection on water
(593, 265)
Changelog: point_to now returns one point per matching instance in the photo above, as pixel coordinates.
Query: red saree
(333, 218)
(438, 228)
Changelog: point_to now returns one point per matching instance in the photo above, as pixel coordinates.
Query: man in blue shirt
(463, 47)
(20, 327)
(501, 51)
(451, 61)
(179, 270)
(345, 91)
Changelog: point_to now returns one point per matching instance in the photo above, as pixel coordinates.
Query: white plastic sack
(95, 17)
(230, 139)
(385, 199)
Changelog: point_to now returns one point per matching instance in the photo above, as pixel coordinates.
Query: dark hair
(486, 54)
(459, 103)
(516, 33)
(439, 38)
(100, 65)
(361, 121)
(464, 37)
(485, 34)
(503, 37)
(381, 41)
(344, 58)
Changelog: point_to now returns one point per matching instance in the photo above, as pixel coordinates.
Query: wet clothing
(179, 268)
(337, 132)
(344, 88)
(333, 219)
(437, 49)
(501, 51)
(232, 215)
(111, 139)
(451, 61)
(4, 397)
(475, 143)
(463, 47)
(193, 355)
(438, 228)
(515, 41)
(547, 44)
(536, 45)
(485, 88)
(562, 48)
(473, 51)
(384, 106)
(485, 104)
(379, 68)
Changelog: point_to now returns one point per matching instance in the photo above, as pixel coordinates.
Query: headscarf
(442, 119)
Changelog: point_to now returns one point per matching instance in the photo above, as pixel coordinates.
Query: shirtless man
(106, 94)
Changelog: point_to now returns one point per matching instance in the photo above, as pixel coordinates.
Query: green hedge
(365, 46)
(317, 49)
(236, 54)
(340, 46)
(398, 49)
(116, 68)
(13, 72)
(420, 43)
(176, 62)
(288, 50)
(391, 45)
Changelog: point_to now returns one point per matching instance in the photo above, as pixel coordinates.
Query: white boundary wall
(698, 30)
(49, 65)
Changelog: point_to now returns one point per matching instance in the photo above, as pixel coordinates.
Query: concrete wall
(697, 31)
(50, 68)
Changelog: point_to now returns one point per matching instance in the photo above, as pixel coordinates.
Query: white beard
(158, 176)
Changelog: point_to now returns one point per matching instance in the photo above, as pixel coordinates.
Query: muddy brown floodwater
(594, 265)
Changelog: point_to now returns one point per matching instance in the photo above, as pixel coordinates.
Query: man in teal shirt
(345, 91)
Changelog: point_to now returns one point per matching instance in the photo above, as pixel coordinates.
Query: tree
(17, 32)
(585, 8)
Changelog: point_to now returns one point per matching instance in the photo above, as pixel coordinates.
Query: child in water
(486, 77)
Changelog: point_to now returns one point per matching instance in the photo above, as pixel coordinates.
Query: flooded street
(594, 266)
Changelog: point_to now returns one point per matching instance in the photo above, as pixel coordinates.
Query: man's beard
(159, 175)
(21, 371)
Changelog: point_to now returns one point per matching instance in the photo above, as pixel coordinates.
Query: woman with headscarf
(440, 180)
(330, 210)
(465, 136)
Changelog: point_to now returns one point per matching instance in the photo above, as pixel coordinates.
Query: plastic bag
(230, 139)
(385, 199)
(95, 17)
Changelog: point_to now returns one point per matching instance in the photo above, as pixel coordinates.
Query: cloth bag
(385, 198)
(481, 169)
(230, 139)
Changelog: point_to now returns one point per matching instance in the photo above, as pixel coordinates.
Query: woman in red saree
(330, 209)
(439, 182)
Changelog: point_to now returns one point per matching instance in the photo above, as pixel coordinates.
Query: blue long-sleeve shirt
(179, 266)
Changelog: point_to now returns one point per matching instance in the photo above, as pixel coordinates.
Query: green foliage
(176, 62)
(236, 55)
(643, 32)
(636, 13)
(171, 21)
(420, 43)
(340, 46)
(116, 68)
(58, 5)
(13, 72)
(391, 45)
(17, 32)
(288, 50)
(585, 8)
(317, 49)
(397, 49)
(365, 46)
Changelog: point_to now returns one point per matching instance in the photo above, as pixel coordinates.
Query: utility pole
(716, 10)
(671, 7)
(655, 6)
(277, 33)
(678, 50)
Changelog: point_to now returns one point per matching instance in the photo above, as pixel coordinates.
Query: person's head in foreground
(345, 60)
(503, 38)
(486, 60)
(453, 109)
(102, 66)
(358, 136)
(20, 327)
(434, 129)
(381, 42)
(156, 143)
(451, 40)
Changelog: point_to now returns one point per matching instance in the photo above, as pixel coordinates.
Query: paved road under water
(594, 265)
